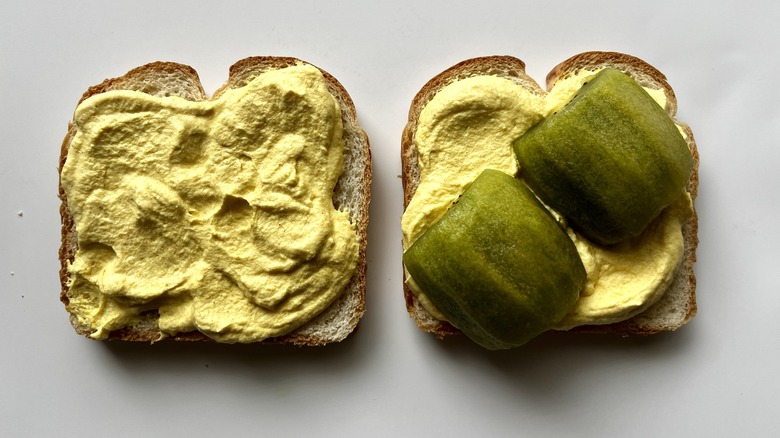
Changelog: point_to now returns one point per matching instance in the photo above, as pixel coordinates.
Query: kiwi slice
(497, 264)
(609, 161)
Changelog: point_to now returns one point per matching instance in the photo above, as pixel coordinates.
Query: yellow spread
(217, 214)
(470, 126)
(623, 280)
(467, 127)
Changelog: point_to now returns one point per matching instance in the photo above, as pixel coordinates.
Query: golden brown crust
(69, 243)
(167, 79)
(653, 319)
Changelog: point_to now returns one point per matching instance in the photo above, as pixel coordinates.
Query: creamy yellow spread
(470, 126)
(467, 127)
(217, 214)
(623, 280)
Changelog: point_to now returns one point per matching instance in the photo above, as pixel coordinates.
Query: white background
(717, 376)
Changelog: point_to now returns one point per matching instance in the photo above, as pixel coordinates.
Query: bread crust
(678, 305)
(352, 193)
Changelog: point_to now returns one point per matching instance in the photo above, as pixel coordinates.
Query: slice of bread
(352, 193)
(678, 305)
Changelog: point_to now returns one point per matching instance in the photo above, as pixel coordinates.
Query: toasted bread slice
(678, 304)
(352, 193)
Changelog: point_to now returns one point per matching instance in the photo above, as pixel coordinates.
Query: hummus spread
(217, 215)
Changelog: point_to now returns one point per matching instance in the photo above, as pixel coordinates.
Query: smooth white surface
(717, 376)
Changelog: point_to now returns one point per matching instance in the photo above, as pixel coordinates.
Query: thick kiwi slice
(497, 264)
(609, 161)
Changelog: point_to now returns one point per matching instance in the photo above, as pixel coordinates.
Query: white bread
(352, 193)
(678, 305)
